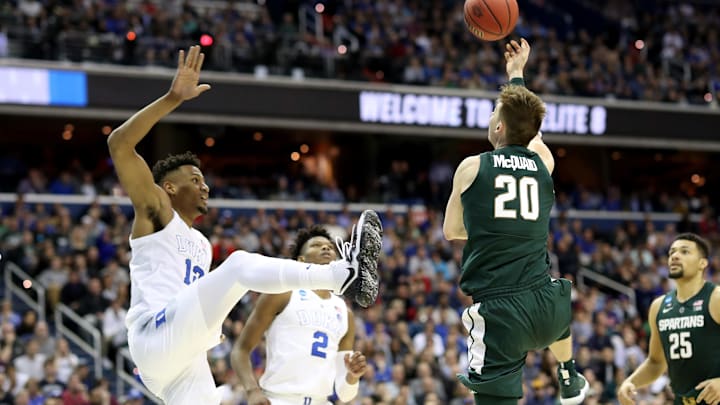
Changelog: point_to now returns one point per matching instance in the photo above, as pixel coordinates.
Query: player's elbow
(448, 233)
(116, 141)
(454, 232)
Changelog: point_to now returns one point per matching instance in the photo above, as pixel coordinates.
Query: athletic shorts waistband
(510, 290)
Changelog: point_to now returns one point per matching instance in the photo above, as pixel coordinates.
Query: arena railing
(602, 220)
(82, 200)
(62, 311)
(606, 282)
(13, 273)
(122, 359)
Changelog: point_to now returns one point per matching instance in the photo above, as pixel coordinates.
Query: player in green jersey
(500, 204)
(684, 330)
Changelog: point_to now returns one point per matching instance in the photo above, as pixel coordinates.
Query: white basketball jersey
(302, 344)
(164, 263)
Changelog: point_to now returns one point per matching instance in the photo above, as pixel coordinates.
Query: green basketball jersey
(506, 212)
(691, 342)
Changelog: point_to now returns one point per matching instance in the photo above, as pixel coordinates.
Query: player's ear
(169, 187)
(703, 264)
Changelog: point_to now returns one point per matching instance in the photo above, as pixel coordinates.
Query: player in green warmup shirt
(684, 330)
(500, 204)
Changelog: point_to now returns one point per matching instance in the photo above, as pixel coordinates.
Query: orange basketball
(491, 20)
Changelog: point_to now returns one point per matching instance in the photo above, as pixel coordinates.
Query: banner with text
(363, 107)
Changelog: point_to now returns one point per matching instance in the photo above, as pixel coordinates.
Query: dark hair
(701, 243)
(522, 113)
(305, 235)
(172, 162)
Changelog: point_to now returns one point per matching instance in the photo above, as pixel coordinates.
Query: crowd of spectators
(398, 183)
(649, 50)
(412, 337)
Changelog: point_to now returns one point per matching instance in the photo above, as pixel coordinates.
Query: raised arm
(262, 316)
(516, 57)
(453, 225)
(150, 202)
(652, 367)
(538, 146)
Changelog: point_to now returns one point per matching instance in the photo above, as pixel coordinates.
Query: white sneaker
(359, 257)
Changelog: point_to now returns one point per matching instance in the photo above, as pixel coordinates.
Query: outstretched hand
(185, 84)
(516, 56)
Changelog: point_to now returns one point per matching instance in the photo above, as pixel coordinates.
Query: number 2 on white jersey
(528, 190)
(319, 345)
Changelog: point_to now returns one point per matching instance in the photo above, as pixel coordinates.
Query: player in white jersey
(177, 306)
(309, 337)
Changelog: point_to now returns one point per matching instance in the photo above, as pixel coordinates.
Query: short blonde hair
(522, 114)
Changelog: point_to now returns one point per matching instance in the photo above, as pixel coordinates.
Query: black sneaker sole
(365, 288)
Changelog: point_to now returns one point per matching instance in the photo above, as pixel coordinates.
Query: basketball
(491, 20)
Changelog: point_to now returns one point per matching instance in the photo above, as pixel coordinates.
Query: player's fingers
(515, 45)
(188, 57)
(181, 58)
(200, 61)
(191, 57)
(524, 43)
(702, 385)
(203, 88)
(507, 55)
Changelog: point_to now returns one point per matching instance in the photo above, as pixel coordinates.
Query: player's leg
(354, 275)
(164, 344)
(573, 385)
(195, 385)
(496, 352)
(554, 311)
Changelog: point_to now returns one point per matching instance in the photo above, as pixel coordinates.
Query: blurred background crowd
(643, 49)
(412, 337)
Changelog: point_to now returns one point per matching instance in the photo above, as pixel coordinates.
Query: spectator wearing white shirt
(46, 343)
(113, 328)
(429, 338)
(65, 360)
(32, 362)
